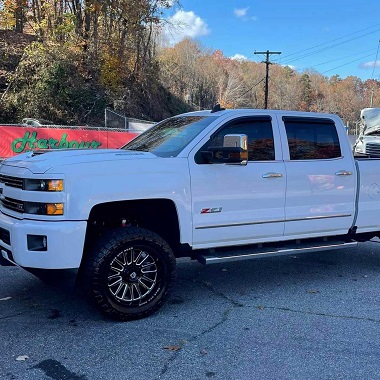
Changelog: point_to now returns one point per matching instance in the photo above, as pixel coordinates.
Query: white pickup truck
(214, 186)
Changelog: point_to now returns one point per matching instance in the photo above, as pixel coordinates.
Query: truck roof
(224, 112)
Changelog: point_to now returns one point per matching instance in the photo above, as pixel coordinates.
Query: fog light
(54, 209)
(36, 242)
(43, 208)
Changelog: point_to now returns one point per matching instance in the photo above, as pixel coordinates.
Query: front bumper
(65, 242)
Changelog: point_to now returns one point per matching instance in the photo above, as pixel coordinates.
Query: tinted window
(169, 137)
(310, 140)
(260, 137)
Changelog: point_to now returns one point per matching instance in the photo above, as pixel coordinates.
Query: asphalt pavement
(311, 316)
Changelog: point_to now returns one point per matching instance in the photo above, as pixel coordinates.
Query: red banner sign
(18, 139)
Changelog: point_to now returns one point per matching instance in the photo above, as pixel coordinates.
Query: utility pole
(373, 70)
(267, 63)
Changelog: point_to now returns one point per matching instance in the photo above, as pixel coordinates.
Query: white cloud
(369, 65)
(185, 24)
(239, 57)
(241, 12)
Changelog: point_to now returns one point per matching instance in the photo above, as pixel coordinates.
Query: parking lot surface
(311, 316)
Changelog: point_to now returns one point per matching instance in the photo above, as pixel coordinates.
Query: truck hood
(371, 120)
(40, 162)
(371, 130)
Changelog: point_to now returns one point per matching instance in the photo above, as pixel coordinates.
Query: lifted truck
(214, 186)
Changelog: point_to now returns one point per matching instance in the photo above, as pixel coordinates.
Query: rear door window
(311, 138)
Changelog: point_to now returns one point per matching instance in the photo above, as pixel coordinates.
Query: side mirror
(233, 151)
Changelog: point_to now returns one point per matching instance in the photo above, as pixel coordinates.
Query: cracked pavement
(311, 316)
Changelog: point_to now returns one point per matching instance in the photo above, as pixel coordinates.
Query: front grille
(12, 181)
(13, 204)
(372, 149)
(5, 236)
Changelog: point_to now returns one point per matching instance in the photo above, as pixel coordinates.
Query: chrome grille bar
(12, 181)
(13, 204)
(372, 149)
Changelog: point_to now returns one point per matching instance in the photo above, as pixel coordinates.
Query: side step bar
(248, 254)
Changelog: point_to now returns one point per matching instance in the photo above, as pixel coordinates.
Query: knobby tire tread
(102, 248)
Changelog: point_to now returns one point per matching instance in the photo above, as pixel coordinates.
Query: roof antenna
(217, 108)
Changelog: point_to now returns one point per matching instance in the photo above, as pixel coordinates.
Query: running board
(247, 254)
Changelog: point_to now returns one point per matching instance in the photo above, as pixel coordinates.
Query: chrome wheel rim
(132, 275)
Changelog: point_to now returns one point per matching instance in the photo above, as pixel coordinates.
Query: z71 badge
(211, 210)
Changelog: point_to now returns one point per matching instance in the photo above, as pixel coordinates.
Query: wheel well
(157, 215)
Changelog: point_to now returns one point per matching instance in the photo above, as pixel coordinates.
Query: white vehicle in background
(368, 142)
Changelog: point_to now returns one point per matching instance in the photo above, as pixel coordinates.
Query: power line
(330, 41)
(347, 63)
(326, 48)
(246, 92)
(339, 59)
(336, 39)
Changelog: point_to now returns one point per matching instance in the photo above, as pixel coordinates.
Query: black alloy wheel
(129, 273)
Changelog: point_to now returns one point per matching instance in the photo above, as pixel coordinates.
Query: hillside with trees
(66, 60)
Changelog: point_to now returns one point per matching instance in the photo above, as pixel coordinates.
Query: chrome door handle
(343, 172)
(272, 175)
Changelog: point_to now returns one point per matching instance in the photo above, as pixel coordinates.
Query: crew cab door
(234, 203)
(321, 177)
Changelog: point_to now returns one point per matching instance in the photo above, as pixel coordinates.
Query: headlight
(43, 184)
(38, 208)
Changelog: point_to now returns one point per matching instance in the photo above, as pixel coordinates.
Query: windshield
(168, 138)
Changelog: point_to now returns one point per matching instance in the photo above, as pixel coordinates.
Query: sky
(333, 37)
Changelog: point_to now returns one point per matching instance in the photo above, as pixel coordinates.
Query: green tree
(50, 83)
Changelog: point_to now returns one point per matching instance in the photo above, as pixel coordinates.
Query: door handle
(272, 175)
(343, 173)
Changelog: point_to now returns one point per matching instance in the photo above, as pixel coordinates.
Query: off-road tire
(129, 272)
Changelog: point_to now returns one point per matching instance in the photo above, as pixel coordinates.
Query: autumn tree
(188, 71)
(49, 84)
(114, 41)
(284, 88)
(13, 14)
